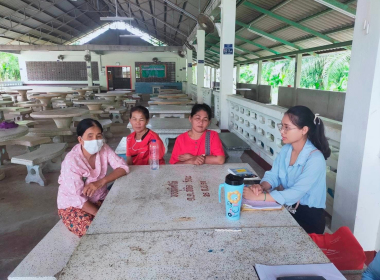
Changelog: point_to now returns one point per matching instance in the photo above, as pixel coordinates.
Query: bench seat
(233, 146)
(48, 157)
(28, 141)
(51, 132)
(49, 257)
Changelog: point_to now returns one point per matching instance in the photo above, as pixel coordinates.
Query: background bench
(233, 146)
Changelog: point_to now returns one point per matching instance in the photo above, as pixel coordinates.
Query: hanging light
(257, 33)
(116, 17)
(130, 36)
(332, 6)
(239, 49)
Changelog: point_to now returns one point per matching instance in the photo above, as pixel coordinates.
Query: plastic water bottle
(153, 155)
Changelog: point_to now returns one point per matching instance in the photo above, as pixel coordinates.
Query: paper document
(271, 272)
(259, 205)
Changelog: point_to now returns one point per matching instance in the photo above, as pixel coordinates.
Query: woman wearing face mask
(83, 179)
(299, 172)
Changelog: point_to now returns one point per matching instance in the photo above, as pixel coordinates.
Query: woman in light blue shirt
(298, 175)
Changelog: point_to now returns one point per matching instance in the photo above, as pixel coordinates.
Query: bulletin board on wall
(153, 71)
(169, 72)
(60, 71)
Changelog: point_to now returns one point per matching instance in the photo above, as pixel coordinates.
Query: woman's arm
(129, 160)
(91, 188)
(90, 208)
(250, 195)
(215, 159)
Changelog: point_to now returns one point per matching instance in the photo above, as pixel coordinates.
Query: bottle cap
(234, 180)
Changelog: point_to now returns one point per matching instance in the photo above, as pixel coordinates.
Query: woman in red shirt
(138, 141)
(190, 147)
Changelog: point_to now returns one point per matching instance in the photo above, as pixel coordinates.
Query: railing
(193, 92)
(216, 105)
(10, 84)
(207, 93)
(256, 124)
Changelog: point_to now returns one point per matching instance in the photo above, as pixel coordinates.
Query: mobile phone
(301, 278)
(252, 181)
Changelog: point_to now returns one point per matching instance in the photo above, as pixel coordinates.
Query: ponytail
(302, 116)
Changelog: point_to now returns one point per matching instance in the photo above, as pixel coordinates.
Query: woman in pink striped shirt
(83, 179)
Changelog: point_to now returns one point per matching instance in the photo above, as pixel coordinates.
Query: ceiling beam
(339, 7)
(315, 49)
(115, 48)
(290, 22)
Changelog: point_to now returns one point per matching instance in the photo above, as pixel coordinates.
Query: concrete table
(93, 88)
(176, 197)
(129, 104)
(61, 117)
(172, 96)
(6, 135)
(166, 111)
(45, 100)
(81, 92)
(22, 93)
(171, 102)
(62, 94)
(124, 92)
(92, 104)
(168, 128)
(189, 254)
(110, 96)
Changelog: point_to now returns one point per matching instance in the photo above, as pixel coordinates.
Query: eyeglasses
(280, 127)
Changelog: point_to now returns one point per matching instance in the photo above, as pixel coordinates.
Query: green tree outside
(9, 68)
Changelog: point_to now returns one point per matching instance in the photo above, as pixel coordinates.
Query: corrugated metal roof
(62, 21)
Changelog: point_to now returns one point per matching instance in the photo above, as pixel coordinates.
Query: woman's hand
(185, 157)
(257, 189)
(249, 194)
(198, 160)
(91, 188)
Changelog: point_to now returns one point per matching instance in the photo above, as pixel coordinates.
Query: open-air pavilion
(82, 59)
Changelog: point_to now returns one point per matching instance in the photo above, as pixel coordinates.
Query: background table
(110, 96)
(92, 104)
(61, 117)
(171, 102)
(22, 93)
(45, 99)
(168, 128)
(169, 224)
(165, 111)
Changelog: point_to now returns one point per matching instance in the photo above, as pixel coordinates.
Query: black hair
(302, 116)
(85, 124)
(140, 109)
(201, 107)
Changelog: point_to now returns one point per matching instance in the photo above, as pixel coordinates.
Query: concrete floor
(29, 211)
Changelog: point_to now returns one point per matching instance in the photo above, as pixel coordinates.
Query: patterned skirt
(77, 220)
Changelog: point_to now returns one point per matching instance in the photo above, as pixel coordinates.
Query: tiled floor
(29, 211)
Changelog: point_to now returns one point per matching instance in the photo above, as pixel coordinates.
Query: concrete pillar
(89, 72)
(210, 77)
(189, 70)
(200, 64)
(227, 41)
(215, 75)
(237, 74)
(259, 72)
(357, 190)
(297, 73)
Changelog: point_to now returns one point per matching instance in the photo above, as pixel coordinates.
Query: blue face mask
(93, 146)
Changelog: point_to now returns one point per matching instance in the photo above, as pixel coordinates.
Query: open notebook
(271, 272)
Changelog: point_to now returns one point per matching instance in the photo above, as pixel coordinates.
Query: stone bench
(21, 114)
(31, 142)
(49, 257)
(233, 146)
(47, 157)
(55, 133)
(106, 124)
(116, 114)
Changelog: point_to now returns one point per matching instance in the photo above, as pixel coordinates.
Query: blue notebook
(242, 172)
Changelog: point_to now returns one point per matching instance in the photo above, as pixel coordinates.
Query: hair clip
(315, 119)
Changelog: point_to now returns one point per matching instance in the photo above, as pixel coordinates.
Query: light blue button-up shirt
(305, 181)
